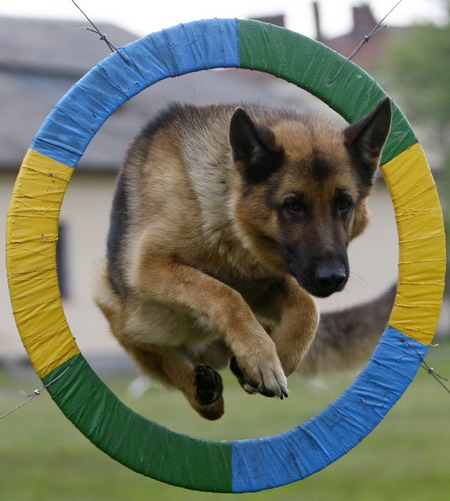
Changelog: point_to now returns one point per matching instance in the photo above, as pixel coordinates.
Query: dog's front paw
(272, 383)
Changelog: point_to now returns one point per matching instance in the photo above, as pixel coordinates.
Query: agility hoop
(32, 233)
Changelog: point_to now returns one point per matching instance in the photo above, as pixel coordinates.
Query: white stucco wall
(10, 344)
(85, 214)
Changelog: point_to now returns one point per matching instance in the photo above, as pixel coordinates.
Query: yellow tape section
(422, 244)
(32, 233)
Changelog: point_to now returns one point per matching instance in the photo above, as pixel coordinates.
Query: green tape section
(311, 65)
(138, 443)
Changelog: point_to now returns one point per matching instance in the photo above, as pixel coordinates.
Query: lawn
(407, 457)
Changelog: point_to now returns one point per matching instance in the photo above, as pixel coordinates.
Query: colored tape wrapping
(139, 443)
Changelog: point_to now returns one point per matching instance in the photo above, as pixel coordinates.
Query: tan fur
(198, 270)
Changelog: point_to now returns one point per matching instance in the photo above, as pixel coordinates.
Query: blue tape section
(270, 462)
(185, 48)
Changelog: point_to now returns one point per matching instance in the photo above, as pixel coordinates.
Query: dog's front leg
(165, 279)
(296, 319)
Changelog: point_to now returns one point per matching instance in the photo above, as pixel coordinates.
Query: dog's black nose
(329, 278)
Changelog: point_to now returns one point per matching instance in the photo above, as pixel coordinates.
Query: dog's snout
(329, 278)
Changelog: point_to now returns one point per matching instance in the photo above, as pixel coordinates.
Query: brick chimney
(276, 19)
(363, 19)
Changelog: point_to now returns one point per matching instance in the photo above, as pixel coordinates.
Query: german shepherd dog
(226, 220)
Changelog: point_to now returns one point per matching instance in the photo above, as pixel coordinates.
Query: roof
(54, 46)
(41, 59)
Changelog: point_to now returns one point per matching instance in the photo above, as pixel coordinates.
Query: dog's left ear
(366, 137)
(253, 146)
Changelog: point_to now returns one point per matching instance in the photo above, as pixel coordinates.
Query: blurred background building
(41, 59)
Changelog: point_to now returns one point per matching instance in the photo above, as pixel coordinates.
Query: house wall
(85, 213)
(10, 344)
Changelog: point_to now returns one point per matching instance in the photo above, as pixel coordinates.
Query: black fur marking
(117, 230)
(321, 168)
(249, 386)
(208, 384)
(162, 118)
(253, 144)
(271, 191)
(119, 212)
(262, 168)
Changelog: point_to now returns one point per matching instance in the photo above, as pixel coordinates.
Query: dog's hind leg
(201, 385)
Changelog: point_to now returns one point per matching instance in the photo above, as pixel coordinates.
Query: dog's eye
(295, 205)
(343, 206)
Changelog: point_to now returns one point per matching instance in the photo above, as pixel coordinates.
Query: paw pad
(208, 384)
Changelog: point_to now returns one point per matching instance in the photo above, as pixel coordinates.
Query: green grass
(407, 457)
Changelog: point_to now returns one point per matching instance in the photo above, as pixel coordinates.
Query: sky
(145, 16)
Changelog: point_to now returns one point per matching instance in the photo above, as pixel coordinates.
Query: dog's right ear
(366, 137)
(253, 146)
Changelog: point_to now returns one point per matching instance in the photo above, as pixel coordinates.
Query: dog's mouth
(323, 291)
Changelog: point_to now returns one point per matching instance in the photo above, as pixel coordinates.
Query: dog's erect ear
(253, 146)
(366, 137)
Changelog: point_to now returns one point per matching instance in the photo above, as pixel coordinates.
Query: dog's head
(304, 185)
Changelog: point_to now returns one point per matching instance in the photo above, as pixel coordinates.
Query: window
(62, 261)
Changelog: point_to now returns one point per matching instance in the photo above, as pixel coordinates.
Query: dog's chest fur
(193, 188)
